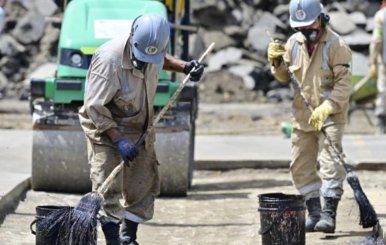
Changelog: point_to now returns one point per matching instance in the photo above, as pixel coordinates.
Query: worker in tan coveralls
(118, 109)
(378, 65)
(319, 60)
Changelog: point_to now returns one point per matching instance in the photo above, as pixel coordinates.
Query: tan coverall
(322, 77)
(378, 57)
(115, 96)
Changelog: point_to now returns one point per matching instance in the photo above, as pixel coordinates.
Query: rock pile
(28, 39)
(236, 72)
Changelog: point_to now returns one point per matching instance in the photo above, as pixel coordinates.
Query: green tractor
(59, 155)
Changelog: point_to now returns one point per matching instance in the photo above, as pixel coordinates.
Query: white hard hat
(304, 12)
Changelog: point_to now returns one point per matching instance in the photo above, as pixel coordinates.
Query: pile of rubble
(28, 39)
(236, 72)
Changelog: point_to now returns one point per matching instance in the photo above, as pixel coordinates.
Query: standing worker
(320, 61)
(378, 65)
(118, 109)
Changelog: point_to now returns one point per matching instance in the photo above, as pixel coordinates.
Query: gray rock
(9, 46)
(244, 72)
(45, 7)
(221, 39)
(30, 28)
(257, 35)
(370, 24)
(342, 23)
(223, 57)
(358, 18)
(358, 37)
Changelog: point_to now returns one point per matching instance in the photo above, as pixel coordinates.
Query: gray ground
(221, 209)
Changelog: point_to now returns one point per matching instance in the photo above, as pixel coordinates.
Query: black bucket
(282, 219)
(41, 213)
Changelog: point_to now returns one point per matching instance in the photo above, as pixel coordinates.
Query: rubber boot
(129, 232)
(381, 125)
(111, 232)
(314, 209)
(326, 223)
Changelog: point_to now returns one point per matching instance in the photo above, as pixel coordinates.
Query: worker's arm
(340, 61)
(100, 90)
(278, 68)
(173, 64)
(376, 44)
(193, 67)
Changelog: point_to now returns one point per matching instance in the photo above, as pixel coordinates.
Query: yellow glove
(373, 72)
(319, 116)
(275, 51)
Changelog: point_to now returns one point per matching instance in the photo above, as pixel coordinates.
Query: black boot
(326, 223)
(314, 208)
(381, 125)
(129, 232)
(111, 232)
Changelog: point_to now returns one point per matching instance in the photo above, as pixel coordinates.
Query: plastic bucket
(41, 213)
(282, 219)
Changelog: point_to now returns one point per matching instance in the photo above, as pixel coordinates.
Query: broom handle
(297, 87)
(295, 83)
(109, 180)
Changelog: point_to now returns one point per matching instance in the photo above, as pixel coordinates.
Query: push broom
(368, 217)
(78, 225)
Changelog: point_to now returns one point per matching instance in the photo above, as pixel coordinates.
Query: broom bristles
(75, 226)
(368, 217)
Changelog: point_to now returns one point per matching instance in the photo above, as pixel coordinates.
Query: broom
(368, 217)
(78, 225)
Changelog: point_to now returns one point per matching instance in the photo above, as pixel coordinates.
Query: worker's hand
(195, 69)
(373, 72)
(319, 116)
(127, 149)
(275, 51)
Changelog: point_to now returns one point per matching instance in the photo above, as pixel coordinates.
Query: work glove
(319, 116)
(127, 149)
(275, 51)
(196, 74)
(373, 72)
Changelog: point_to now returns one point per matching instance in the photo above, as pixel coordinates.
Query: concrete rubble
(30, 35)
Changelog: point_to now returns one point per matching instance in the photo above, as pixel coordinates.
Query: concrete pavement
(15, 165)
(220, 152)
(212, 153)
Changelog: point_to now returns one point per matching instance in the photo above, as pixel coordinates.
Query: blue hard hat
(304, 12)
(150, 38)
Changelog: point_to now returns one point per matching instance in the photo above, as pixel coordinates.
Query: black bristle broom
(78, 225)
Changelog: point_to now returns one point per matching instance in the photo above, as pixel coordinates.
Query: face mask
(137, 63)
(310, 34)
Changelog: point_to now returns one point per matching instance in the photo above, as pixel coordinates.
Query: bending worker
(319, 60)
(118, 109)
(378, 65)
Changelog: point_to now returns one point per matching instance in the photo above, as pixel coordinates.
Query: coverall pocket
(327, 80)
(127, 105)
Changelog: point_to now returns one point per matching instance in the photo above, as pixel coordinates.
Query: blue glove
(127, 149)
(196, 74)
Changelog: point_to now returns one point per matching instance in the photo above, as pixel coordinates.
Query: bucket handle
(30, 227)
(262, 232)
